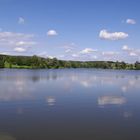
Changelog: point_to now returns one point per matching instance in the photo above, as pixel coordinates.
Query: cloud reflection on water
(51, 101)
(21, 85)
(111, 100)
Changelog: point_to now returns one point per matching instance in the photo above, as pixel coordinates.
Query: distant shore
(35, 62)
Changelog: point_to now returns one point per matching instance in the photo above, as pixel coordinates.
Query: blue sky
(71, 29)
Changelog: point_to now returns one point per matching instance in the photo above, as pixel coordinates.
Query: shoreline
(35, 62)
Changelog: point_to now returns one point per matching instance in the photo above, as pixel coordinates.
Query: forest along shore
(35, 62)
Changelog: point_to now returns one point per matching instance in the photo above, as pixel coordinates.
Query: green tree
(137, 65)
(1, 61)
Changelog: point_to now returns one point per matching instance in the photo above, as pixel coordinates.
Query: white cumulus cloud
(126, 48)
(131, 51)
(13, 39)
(20, 49)
(132, 54)
(52, 33)
(104, 34)
(130, 21)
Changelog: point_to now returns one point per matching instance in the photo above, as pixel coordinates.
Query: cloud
(21, 20)
(52, 33)
(20, 49)
(70, 48)
(5, 53)
(87, 51)
(68, 51)
(132, 54)
(130, 21)
(45, 55)
(131, 51)
(126, 48)
(24, 43)
(109, 53)
(75, 55)
(94, 57)
(60, 56)
(12, 39)
(87, 54)
(51, 57)
(104, 34)
(14, 36)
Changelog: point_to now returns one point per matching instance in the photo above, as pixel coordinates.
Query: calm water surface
(69, 104)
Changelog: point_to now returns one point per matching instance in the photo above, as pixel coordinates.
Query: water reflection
(21, 84)
(51, 101)
(111, 100)
(124, 89)
(17, 89)
(127, 114)
(55, 104)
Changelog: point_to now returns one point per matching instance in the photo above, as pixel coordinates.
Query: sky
(85, 30)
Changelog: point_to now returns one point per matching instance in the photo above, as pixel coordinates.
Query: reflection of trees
(35, 78)
(88, 76)
(45, 76)
(54, 76)
(137, 77)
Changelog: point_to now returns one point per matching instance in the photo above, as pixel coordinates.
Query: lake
(69, 104)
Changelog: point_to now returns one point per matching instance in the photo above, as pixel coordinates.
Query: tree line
(35, 62)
